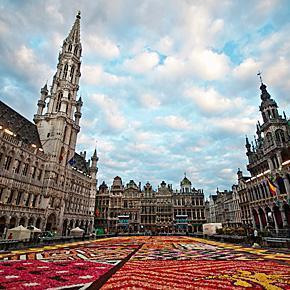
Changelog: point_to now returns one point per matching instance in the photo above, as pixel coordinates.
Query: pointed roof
(74, 35)
(185, 181)
(266, 98)
(95, 157)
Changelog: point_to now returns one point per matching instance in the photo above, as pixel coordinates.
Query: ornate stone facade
(132, 209)
(43, 181)
(269, 162)
(224, 207)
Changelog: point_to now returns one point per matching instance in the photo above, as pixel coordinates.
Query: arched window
(269, 138)
(280, 136)
(34, 200)
(76, 50)
(58, 103)
(65, 71)
(72, 70)
(70, 48)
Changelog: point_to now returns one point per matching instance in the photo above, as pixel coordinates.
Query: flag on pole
(272, 187)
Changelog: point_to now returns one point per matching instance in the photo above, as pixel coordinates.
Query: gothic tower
(59, 125)
(271, 147)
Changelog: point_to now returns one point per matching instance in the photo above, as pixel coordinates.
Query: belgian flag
(272, 187)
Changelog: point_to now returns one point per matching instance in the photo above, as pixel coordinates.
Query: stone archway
(278, 217)
(71, 224)
(2, 225)
(64, 227)
(31, 221)
(22, 221)
(12, 223)
(51, 222)
(256, 219)
(262, 217)
(38, 223)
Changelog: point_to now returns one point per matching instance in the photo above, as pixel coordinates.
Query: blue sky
(168, 86)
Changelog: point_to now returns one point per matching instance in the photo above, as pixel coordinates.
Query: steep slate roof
(81, 163)
(23, 128)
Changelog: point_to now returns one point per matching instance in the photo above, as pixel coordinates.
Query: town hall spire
(59, 125)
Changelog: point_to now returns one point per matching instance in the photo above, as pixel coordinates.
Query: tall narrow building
(43, 181)
(59, 125)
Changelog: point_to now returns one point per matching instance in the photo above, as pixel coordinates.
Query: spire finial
(79, 15)
(260, 76)
(184, 174)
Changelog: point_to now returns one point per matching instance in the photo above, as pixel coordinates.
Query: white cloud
(142, 63)
(209, 65)
(29, 65)
(165, 45)
(202, 64)
(145, 147)
(86, 140)
(279, 74)
(247, 70)
(113, 116)
(150, 101)
(103, 47)
(95, 75)
(174, 122)
(145, 136)
(210, 101)
(236, 125)
(54, 13)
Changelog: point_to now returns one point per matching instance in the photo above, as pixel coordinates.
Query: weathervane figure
(260, 76)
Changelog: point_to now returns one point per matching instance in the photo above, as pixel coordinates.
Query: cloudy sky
(168, 86)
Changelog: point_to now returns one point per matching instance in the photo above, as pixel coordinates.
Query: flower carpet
(145, 263)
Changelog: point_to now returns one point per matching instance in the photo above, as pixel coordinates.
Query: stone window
(33, 172)
(18, 199)
(58, 103)
(28, 199)
(72, 70)
(25, 169)
(9, 200)
(76, 50)
(17, 166)
(1, 192)
(7, 162)
(65, 71)
(34, 200)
